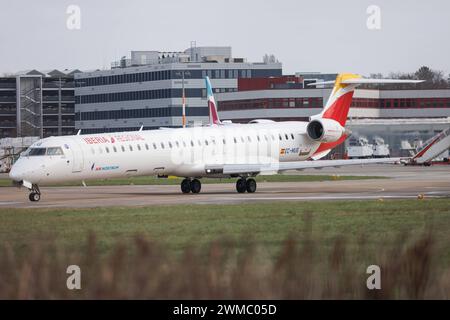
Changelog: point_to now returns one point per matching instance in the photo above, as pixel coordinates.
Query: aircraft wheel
(241, 185)
(34, 196)
(251, 185)
(186, 186)
(196, 186)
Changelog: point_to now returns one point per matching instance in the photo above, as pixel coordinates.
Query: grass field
(272, 250)
(176, 180)
(267, 224)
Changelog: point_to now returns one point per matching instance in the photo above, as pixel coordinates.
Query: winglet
(213, 115)
(79, 132)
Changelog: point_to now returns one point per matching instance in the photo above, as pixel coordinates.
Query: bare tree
(376, 76)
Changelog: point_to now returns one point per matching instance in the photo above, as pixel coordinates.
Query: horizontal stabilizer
(379, 81)
(366, 81)
(319, 83)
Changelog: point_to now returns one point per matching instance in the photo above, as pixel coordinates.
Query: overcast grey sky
(324, 35)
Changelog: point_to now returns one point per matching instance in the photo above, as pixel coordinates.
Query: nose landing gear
(35, 194)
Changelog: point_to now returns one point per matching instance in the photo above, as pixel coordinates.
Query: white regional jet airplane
(218, 150)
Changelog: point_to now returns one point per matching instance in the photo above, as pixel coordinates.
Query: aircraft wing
(276, 167)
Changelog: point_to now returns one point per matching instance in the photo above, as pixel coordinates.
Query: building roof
(48, 73)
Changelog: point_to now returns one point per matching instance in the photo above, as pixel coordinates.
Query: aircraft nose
(16, 174)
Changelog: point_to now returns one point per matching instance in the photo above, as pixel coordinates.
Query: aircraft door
(77, 157)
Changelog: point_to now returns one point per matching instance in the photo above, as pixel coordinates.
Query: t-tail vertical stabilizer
(213, 114)
(340, 99)
(336, 110)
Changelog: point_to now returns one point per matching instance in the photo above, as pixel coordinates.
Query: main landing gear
(35, 194)
(188, 185)
(242, 185)
(248, 185)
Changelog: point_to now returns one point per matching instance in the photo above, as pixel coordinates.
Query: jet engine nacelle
(324, 130)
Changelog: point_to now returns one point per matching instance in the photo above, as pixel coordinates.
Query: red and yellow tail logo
(340, 99)
(337, 107)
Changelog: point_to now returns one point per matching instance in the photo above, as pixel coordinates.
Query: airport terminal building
(146, 90)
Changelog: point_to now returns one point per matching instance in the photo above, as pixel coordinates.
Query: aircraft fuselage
(183, 152)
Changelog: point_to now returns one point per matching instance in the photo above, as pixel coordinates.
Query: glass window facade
(161, 75)
(141, 113)
(271, 103)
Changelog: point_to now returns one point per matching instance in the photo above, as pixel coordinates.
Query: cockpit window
(53, 151)
(36, 152)
(56, 151)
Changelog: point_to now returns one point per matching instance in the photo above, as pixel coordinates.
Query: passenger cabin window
(107, 149)
(192, 143)
(280, 137)
(249, 139)
(162, 145)
(292, 136)
(131, 148)
(139, 147)
(115, 149)
(224, 141)
(206, 142)
(154, 145)
(177, 144)
(286, 136)
(235, 140)
(242, 139)
(184, 144)
(170, 145)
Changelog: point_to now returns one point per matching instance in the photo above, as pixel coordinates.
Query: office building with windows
(146, 89)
